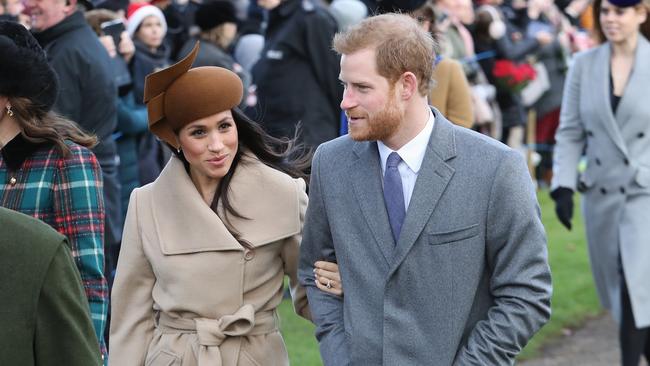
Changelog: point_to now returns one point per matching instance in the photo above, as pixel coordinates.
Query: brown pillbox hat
(179, 95)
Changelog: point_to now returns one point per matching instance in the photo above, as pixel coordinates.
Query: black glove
(563, 198)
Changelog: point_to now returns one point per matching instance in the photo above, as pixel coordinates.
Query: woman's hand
(328, 278)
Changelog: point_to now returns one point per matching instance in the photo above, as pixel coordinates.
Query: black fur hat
(24, 71)
(214, 13)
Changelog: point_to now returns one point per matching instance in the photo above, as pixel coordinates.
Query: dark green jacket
(44, 314)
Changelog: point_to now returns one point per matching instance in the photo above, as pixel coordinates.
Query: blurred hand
(126, 47)
(544, 38)
(563, 198)
(328, 277)
(109, 44)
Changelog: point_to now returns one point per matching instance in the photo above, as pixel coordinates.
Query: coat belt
(211, 333)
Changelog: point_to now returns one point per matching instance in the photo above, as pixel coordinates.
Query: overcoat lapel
(637, 83)
(601, 79)
(179, 204)
(433, 178)
(365, 174)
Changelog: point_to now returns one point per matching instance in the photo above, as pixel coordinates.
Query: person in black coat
(297, 73)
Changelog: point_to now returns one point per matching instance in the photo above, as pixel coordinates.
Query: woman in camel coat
(207, 245)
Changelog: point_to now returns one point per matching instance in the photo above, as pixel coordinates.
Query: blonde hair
(401, 45)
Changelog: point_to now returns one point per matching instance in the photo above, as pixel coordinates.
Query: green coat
(44, 314)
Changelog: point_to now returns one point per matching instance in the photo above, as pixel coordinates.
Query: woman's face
(619, 24)
(268, 4)
(151, 32)
(210, 145)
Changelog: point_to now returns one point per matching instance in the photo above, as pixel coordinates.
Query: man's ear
(70, 6)
(409, 85)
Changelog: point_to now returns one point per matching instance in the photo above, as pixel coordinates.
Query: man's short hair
(400, 45)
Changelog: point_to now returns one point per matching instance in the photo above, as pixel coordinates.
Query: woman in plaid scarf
(46, 169)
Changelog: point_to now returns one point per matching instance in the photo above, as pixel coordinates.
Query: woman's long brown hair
(39, 126)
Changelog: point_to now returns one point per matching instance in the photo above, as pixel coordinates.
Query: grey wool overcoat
(616, 182)
(468, 281)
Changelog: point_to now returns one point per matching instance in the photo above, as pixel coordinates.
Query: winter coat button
(590, 134)
(597, 161)
(249, 254)
(640, 135)
(603, 191)
(626, 161)
(623, 190)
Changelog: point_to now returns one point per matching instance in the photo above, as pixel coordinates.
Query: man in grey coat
(435, 228)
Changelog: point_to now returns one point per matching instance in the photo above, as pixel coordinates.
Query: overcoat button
(623, 190)
(590, 134)
(597, 161)
(603, 191)
(626, 161)
(249, 254)
(640, 135)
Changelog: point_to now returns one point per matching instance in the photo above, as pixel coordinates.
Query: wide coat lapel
(601, 89)
(637, 84)
(433, 178)
(258, 192)
(365, 174)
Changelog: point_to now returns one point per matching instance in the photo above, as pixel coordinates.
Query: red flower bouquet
(511, 76)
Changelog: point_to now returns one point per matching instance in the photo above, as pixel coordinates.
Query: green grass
(574, 294)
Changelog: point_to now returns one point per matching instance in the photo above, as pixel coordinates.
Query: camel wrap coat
(187, 292)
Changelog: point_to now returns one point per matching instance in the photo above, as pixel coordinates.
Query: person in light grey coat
(463, 277)
(611, 119)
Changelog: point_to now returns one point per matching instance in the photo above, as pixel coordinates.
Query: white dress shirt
(412, 155)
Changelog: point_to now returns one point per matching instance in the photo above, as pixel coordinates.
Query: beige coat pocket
(163, 358)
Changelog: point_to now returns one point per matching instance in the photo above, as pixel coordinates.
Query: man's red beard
(378, 126)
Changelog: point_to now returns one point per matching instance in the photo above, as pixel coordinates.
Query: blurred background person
(13, 10)
(496, 34)
(604, 111)
(450, 94)
(217, 22)
(296, 76)
(46, 168)
(543, 16)
(45, 321)
(147, 28)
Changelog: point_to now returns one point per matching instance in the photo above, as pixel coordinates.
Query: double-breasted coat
(616, 182)
(187, 292)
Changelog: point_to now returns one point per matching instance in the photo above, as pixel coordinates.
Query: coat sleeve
(79, 206)
(459, 103)
(132, 321)
(570, 135)
(64, 333)
(517, 261)
(317, 244)
(290, 254)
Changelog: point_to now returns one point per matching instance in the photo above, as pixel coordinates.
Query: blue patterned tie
(394, 195)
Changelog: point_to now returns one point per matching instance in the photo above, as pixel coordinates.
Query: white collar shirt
(412, 154)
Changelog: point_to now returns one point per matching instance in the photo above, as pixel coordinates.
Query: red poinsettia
(512, 76)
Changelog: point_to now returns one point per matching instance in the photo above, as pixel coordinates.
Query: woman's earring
(10, 113)
(178, 150)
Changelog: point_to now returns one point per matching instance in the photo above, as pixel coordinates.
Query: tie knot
(393, 160)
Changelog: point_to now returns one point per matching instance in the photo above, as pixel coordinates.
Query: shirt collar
(17, 150)
(413, 152)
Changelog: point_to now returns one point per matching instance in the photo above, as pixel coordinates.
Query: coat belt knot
(212, 333)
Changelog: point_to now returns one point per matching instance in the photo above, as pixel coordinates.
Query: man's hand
(563, 198)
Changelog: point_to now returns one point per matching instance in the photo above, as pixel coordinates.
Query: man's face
(45, 14)
(370, 102)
